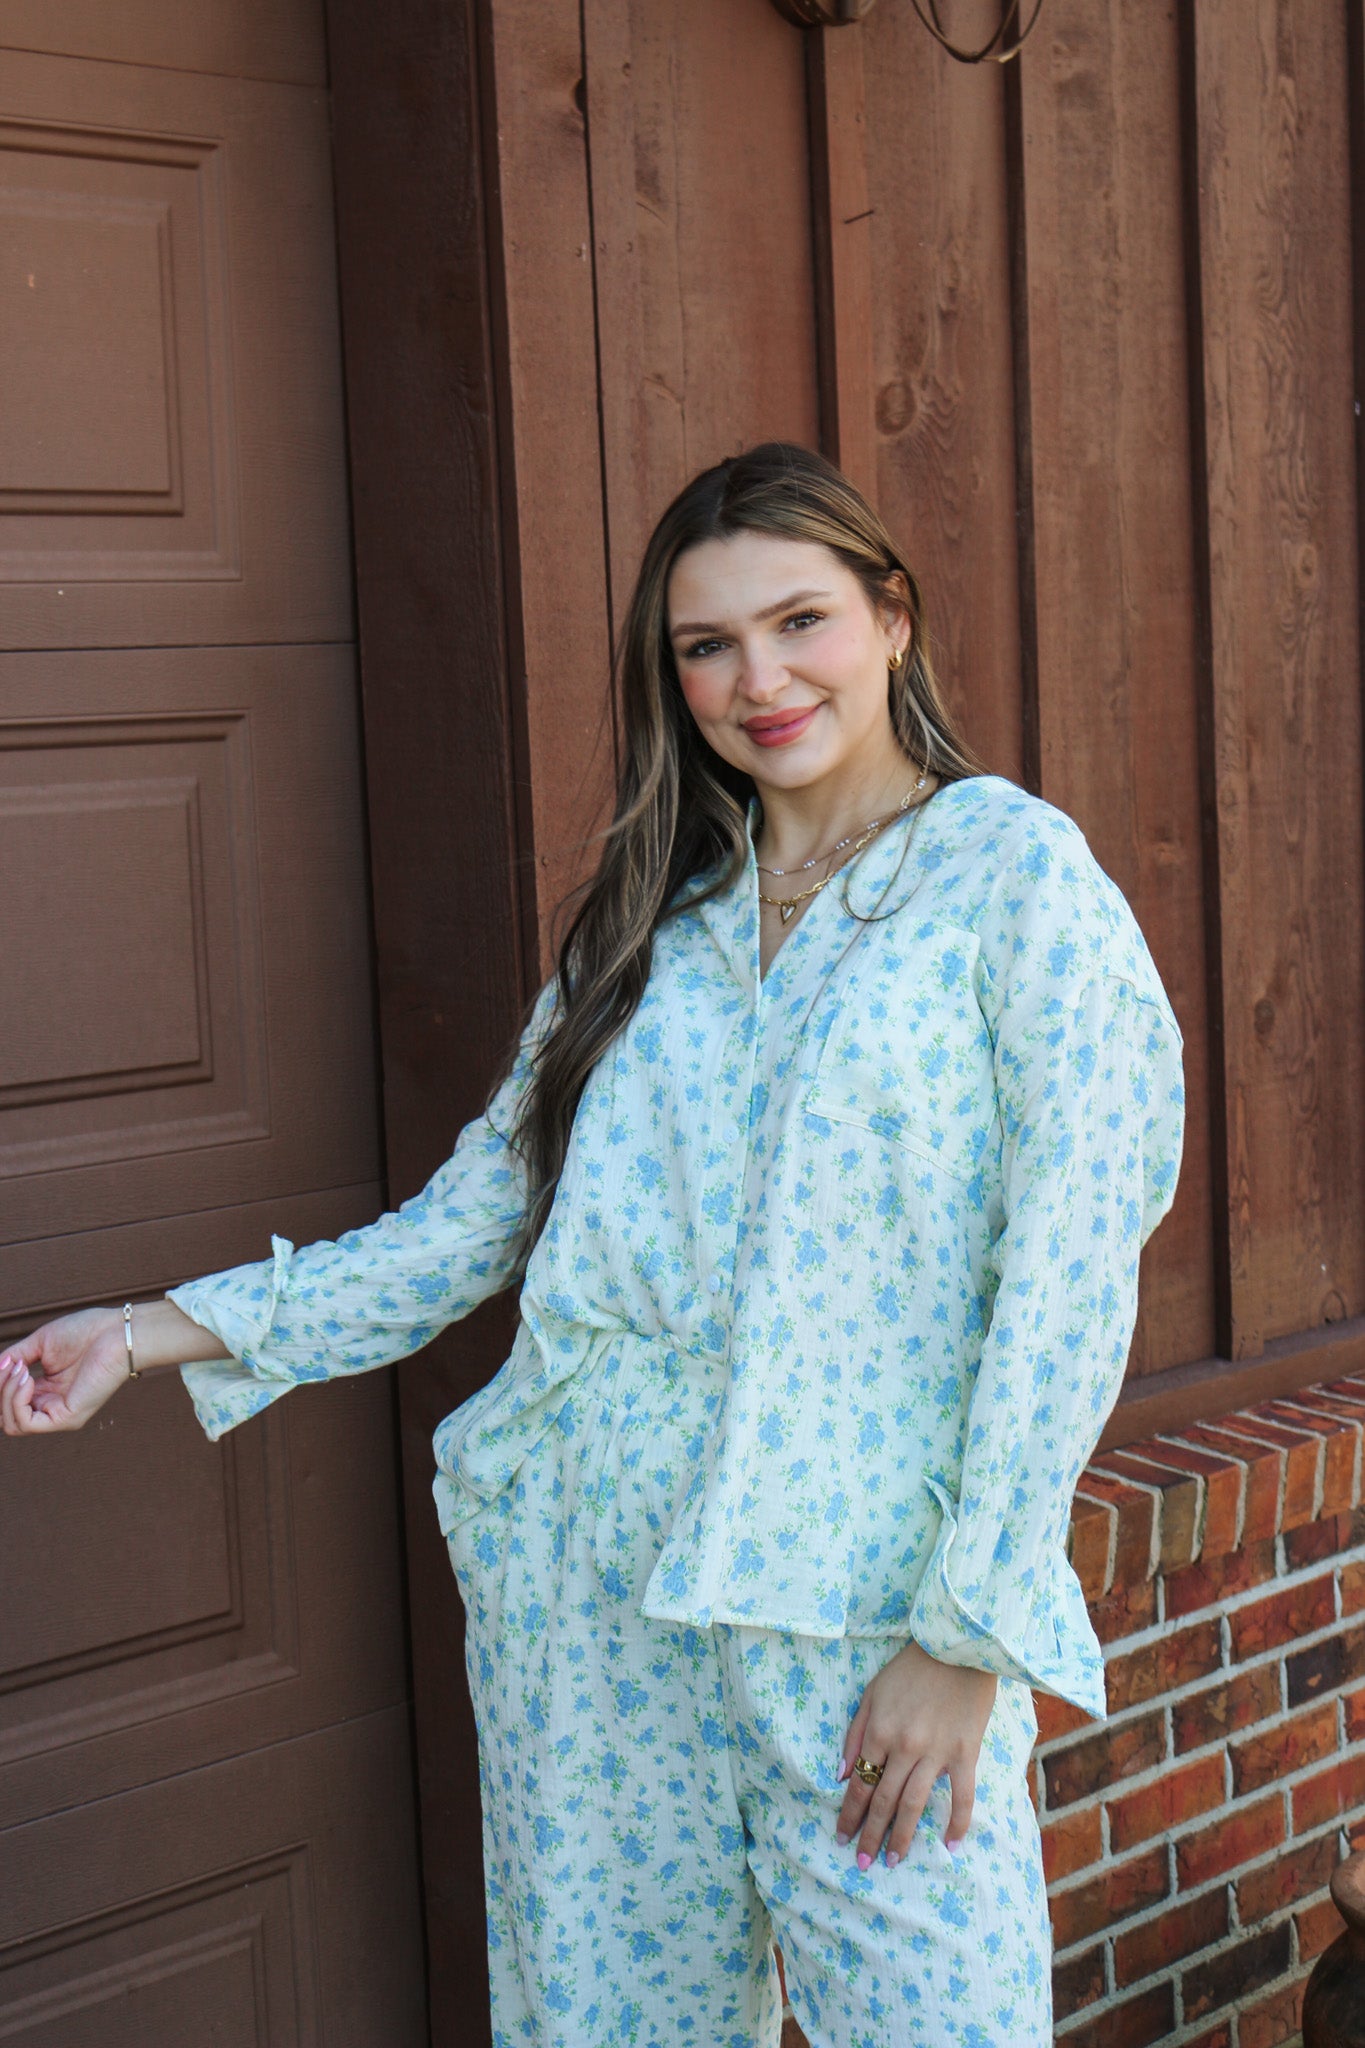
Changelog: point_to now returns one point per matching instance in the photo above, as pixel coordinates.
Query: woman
(827, 1158)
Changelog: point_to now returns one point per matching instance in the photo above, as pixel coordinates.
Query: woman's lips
(780, 731)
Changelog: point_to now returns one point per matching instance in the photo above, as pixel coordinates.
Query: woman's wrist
(165, 1338)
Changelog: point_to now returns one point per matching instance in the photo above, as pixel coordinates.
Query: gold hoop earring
(894, 658)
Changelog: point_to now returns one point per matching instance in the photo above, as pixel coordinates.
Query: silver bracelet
(133, 1372)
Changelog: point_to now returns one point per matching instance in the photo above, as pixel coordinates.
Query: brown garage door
(205, 1779)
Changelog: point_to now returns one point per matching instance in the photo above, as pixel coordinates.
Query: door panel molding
(211, 1611)
(146, 884)
(133, 475)
(189, 444)
(271, 902)
(257, 1859)
(293, 1616)
(238, 1946)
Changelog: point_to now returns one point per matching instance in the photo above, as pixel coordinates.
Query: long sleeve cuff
(1042, 1633)
(238, 1306)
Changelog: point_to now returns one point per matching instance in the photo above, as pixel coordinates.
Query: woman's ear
(896, 611)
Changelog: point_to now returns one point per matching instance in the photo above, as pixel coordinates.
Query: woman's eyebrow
(769, 611)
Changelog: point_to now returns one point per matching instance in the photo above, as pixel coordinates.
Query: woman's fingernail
(953, 1847)
(892, 1859)
(22, 1375)
(864, 1860)
(841, 1839)
(842, 1771)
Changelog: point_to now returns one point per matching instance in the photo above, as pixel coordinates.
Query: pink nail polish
(842, 1772)
(953, 1847)
(892, 1859)
(842, 1840)
(864, 1860)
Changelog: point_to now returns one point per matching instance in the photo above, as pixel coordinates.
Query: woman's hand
(919, 1718)
(83, 1360)
(80, 1360)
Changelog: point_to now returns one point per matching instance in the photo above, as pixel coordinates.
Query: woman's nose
(761, 674)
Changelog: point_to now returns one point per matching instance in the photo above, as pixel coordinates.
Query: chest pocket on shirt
(908, 1056)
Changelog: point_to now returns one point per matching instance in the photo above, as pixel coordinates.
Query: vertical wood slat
(550, 441)
(842, 225)
(1273, 350)
(705, 329)
(943, 360)
(722, 195)
(704, 303)
(1355, 114)
(623, 398)
(1107, 514)
(439, 752)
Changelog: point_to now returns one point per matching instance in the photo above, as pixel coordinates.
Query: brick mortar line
(1048, 1746)
(1239, 1802)
(1157, 1496)
(1142, 1780)
(1173, 1437)
(1286, 1580)
(1111, 2001)
(1228, 1881)
(1255, 1436)
(1044, 1754)
(1159, 1577)
(1185, 2030)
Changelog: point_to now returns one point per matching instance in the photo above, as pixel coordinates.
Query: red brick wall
(1190, 1838)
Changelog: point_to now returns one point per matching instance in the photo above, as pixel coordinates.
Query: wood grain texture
(943, 359)
(1101, 311)
(1355, 102)
(842, 219)
(624, 397)
(703, 300)
(721, 194)
(1274, 355)
(1153, 1404)
(555, 559)
(453, 938)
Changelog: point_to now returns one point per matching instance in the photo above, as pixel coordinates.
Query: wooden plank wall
(1087, 326)
(1084, 326)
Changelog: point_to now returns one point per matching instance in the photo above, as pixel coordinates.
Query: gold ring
(871, 1774)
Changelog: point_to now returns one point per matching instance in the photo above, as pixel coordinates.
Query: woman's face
(783, 661)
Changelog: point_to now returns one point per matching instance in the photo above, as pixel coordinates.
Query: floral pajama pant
(659, 1800)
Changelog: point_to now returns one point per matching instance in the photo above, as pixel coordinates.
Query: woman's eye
(805, 618)
(701, 648)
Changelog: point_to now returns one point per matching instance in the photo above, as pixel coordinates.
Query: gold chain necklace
(787, 905)
(816, 858)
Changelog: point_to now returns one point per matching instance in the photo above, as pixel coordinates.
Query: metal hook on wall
(1007, 41)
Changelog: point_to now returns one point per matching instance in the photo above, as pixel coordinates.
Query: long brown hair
(681, 811)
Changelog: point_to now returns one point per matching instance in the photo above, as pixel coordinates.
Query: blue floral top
(898, 1187)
